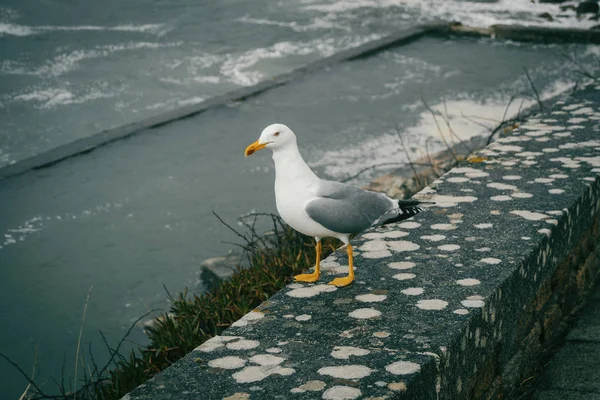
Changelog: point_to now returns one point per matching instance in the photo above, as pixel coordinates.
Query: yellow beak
(254, 147)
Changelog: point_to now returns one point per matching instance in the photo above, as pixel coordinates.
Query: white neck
(290, 167)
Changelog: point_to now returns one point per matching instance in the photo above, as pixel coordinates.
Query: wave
(240, 69)
(475, 13)
(316, 24)
(25, 30)
(64, 63)
(53, 97)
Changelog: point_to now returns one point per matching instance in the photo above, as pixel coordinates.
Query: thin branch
(535, 91)
(31, 382)
(87, 300)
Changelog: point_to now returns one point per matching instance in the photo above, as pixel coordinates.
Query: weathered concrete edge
(88, 144)
(522, 33)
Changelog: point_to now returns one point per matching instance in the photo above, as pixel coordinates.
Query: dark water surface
(136, 214)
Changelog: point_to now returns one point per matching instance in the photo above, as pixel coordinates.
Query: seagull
(321, 208)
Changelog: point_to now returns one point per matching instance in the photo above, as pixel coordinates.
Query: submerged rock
(587, 7)
(546, 16)
(214, 270)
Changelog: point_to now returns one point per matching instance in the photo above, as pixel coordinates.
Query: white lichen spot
(432, 304)
(501, 186)
(482, 249)
(404, 276)
(403, 368)
(501, 198)
(559, 176)
(475, 297)
(402, 265)
(506, 148)
(274, 350)
(251, 316)
(397, 386)
(376, 254)
(403, 245)
(451, 201)
(374, 245)
(342, 393)
(381, 334)
(458, 179)
(556, 191)
(344, 352)
(230, 362)
(449, 247)
(511, 177)
(409, 225)
(468, 282)
(521, 195)
(303, 317)
(461, 311)
(433, 238)
(396, 234)
(215, 343)
(491, 260)
(371, 298)
(310, 386)
(346, 371)
(473, 303)
(243, 345)
(443, 227)
(552, 221)
(235, 396)
(483, 226)
(365, 313)
(477, 174)
(258, 373)
(529, 215)
(266, 359)
(543, 180)
(413, 291)
(310, 291)
(373, 235)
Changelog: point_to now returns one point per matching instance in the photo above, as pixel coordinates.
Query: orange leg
(345, 281)
(315, 275)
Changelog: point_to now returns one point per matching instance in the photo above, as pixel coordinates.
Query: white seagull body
(320, 208)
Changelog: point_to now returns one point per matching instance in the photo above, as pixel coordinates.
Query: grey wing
(345, 209)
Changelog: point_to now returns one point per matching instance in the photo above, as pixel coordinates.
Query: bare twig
(24, 374)
(433, 114)
(535, 91)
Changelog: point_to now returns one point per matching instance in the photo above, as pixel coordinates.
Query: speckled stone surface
(433, 296)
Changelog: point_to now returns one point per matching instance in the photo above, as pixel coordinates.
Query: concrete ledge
(522, 33)
(457, 303)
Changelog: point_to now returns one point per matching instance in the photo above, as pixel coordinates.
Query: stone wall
(457, 303)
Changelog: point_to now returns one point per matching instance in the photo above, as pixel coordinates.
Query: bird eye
(276, 134)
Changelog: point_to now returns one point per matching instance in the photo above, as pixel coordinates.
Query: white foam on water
(66, 62)
(53, 97)
(464, 115)
(244, 68)
(10, 29)
(317, 23)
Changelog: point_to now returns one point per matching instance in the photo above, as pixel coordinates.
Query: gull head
(274, 136)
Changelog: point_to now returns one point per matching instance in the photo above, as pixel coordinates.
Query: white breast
(291, 203)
